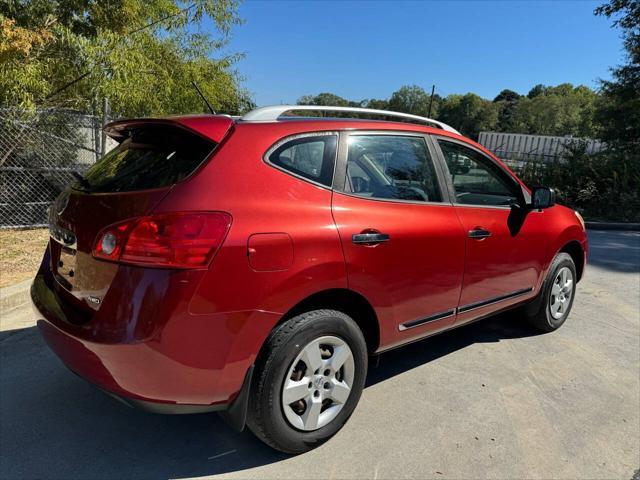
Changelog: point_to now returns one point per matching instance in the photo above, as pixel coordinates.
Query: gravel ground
(20, 254)
(490, 400)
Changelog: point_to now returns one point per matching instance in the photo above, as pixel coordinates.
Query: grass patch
(20, 254)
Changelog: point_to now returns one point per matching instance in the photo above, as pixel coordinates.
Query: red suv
(253, 265)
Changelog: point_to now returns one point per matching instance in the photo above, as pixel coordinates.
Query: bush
(602, 186)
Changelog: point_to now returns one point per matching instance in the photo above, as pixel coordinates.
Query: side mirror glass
(542, 197)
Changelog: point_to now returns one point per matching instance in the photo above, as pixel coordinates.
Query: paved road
(491, 400)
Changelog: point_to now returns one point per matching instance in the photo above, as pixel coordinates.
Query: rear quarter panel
(261, 200)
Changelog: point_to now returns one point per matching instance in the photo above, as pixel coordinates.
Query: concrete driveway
(491, 400)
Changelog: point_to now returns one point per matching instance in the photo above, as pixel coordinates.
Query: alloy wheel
(561, 292)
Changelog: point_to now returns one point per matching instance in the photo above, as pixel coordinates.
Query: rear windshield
(152, 156)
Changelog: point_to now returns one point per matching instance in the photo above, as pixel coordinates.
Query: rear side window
(152, 156)
(391, 167)
(309, 156)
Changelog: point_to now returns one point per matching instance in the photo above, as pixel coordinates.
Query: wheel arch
(348, 302)
(574, 249)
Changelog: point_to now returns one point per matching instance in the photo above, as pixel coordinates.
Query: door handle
(370, 238)
(479, 233)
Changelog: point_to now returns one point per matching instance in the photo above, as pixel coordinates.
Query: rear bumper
(81, 358)
(189, 364)
(165, 408)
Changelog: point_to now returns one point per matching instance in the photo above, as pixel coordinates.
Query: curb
(627, 227)
(14, 296)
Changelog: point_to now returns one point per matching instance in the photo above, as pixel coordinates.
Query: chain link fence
(41, 152)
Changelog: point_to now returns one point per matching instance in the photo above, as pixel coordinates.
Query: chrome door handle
(370, 238)
(479, 233)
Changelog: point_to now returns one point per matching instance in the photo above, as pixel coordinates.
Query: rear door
(402, 240)
(128, 182)
(505, 244)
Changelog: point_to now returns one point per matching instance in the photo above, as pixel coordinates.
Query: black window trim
(297, 136)
(521, 193)
(340, 172)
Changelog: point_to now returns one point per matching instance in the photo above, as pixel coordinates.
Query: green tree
(375, 103)
(547, 110)
(469, 113)
(411, 99)
(507, 102)
(537, 90)
(325, 98)
(329, 100)
(560, 110)
(507, 95)
(141, 55)
(619, 111)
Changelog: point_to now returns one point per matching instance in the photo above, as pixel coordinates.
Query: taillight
(172, 240)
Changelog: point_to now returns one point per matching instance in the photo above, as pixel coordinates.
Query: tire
(544, 312)
(291, 428)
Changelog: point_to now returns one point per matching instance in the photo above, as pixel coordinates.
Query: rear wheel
(549, 311)
(308, 380)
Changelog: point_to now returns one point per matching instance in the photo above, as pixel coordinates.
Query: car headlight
(580, 219)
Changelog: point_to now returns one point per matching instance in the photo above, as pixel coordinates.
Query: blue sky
(360, 49)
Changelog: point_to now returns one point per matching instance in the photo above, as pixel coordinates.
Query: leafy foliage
(411, 99)
(619, 109)
(507, 95)
(604, 186)
(20, 78)
(561, 110)
(324, 99)
(141, 55)
(469, 113)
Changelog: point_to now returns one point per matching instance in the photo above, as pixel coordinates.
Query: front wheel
(549, 311)
(308, 380)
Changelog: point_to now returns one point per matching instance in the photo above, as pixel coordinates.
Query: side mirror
(542, 197)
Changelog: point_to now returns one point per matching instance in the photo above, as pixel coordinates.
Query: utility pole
(433, 89)
(105, 119)
(97, 131)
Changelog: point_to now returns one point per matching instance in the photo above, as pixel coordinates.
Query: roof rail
(274, 112)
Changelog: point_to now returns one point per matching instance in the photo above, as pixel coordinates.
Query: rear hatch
(128, 182)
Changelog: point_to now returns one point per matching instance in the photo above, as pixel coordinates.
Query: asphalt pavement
(491, 400)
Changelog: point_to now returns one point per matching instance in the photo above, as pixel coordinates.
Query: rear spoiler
(213, 127)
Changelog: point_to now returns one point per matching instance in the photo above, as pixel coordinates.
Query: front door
(505, 245)
(402, 240)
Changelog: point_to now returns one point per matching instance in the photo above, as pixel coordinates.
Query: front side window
(391, 167)
(477, 180)
(311, 157)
